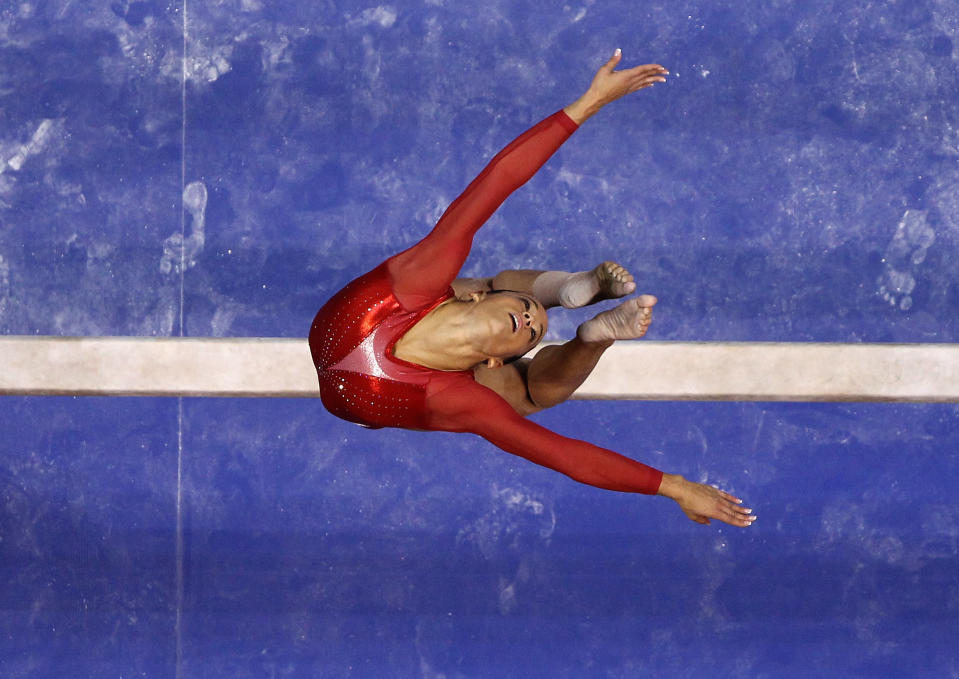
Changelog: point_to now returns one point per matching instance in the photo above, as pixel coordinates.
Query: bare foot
(607, 281)
(630, 320)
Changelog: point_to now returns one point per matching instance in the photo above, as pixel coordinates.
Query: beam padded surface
(278, 367)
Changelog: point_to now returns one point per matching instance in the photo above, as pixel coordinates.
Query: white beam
(700, 371)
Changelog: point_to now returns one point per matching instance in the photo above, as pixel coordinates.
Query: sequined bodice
(352, 341)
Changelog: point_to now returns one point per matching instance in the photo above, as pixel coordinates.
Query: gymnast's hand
(609, 85)
(701, 502)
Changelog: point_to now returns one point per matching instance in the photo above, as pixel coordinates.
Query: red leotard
(353, 336)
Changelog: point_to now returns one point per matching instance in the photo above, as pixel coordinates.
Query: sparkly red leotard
(353, 336)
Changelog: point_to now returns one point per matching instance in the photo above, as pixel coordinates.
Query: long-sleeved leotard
(353, 336)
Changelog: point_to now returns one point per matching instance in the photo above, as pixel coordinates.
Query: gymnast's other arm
(481, 411)
(561, 371)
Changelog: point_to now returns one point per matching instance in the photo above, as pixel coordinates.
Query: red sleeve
(424, 272)
(466, 406)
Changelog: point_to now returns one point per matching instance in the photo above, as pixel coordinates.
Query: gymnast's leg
(555, 372)
(557, 288)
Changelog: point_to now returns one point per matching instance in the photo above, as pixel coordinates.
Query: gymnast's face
(514, 322)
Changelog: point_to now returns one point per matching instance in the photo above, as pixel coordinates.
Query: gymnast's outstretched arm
(480, 411)
(424, 271)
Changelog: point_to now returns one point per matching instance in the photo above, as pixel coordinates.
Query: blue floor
(795, 180)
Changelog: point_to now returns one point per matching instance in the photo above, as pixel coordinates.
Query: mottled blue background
(796, 179)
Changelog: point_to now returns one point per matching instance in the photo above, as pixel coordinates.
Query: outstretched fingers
(701, 503)
(729, 510)
(651, 70)
(645, 76)
(646, 71)
(608, 85)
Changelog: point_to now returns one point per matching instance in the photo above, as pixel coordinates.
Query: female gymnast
(410, 345)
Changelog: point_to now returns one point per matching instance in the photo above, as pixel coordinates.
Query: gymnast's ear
(493, 362)
(477, 295)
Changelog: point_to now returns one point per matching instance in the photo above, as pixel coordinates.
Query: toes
(648, 301)
(615, 272)
(645, 318)
(614, 281)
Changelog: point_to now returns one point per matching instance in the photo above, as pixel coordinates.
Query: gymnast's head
(511, 323)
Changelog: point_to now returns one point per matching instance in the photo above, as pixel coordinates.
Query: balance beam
(639, 370)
